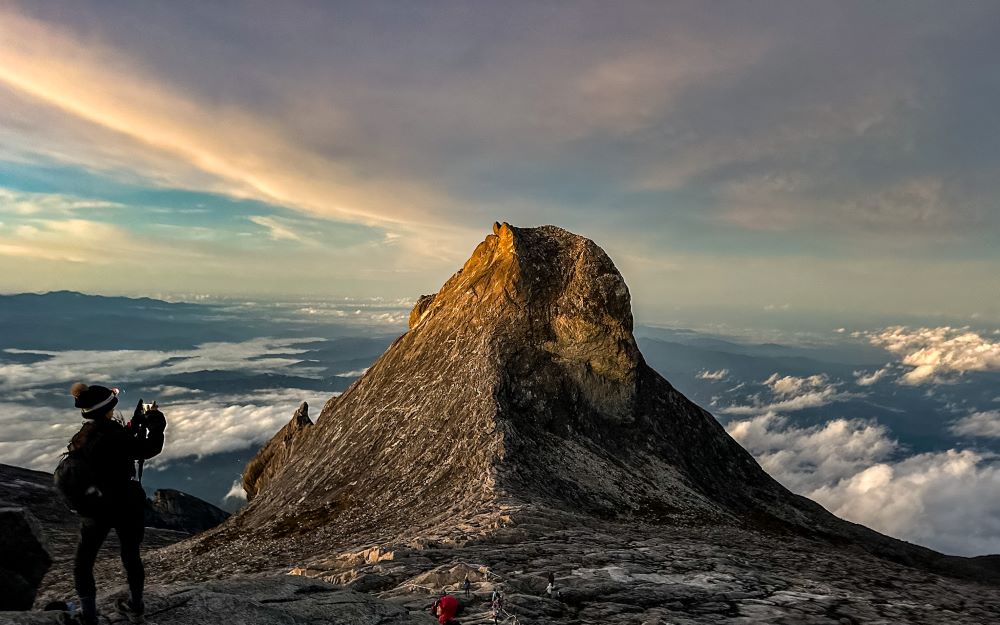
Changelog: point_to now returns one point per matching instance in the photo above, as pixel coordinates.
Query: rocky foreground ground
(606, 573)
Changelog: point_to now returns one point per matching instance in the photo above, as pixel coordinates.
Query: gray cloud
(855, 138)
(748, 108)
(985, 424)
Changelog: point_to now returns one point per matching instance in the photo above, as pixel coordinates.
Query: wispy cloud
(792, 393)
(246, 155)
(716, 376)
(753, 150)
(278, 230)
(864, 378)
(49, 204)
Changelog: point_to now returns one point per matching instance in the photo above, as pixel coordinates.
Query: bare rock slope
(520, 383)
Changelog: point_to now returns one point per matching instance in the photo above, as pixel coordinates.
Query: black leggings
(128, 522)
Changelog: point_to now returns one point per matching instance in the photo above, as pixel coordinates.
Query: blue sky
(797, 160)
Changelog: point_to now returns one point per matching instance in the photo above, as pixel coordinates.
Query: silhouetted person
(466, 586)
(110, 449)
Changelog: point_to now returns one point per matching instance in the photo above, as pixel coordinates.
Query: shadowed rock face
(24, 558)
(519, 386)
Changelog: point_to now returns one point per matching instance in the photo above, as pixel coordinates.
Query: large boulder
(24, 558)
(174, 510)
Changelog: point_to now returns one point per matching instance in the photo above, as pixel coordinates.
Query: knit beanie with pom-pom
(94, 401)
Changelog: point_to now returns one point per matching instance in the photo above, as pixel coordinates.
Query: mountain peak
(518, 389)
(550, 289)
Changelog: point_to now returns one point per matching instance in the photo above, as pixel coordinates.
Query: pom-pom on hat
(94, 401)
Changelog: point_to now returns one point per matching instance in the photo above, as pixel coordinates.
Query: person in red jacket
(445, 610)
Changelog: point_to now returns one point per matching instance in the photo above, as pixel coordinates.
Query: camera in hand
(141, 416)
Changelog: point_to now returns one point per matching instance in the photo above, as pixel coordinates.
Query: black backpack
(76, 478)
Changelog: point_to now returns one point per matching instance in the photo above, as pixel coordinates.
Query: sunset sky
(804, 159)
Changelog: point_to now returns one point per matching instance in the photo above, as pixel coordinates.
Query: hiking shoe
(77, 618)
(134, 613)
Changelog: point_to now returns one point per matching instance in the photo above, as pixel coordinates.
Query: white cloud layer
(199, 423)
(805, 459)
(947, 500)
(195, 427)
(229, 423)
(120, 366)
(938, 354)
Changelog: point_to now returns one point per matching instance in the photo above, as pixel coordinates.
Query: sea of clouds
(857, 468)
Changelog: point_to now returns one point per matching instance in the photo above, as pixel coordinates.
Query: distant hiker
(445, 610)
(496, 604)
(98, 479)
(467, 586)
(551, 590)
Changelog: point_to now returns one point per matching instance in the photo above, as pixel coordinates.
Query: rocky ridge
(275, 454)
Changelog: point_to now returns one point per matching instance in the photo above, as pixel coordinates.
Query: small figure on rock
(551, 589)
(98, 479)
(466, 586)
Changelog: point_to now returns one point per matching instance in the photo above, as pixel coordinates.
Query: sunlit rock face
(273, 456)
(517, 385)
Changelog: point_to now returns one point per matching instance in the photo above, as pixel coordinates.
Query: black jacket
(112, 450)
